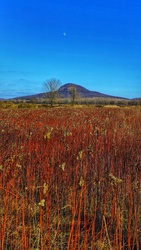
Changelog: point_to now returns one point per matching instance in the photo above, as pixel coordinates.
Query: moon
(64, 33)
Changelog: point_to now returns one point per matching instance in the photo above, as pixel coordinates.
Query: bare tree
(73, 93)
(51, 87)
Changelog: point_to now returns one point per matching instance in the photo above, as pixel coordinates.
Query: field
(70, 178)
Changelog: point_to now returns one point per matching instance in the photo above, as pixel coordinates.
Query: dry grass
(70, 178)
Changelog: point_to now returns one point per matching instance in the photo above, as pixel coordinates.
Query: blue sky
(94, 43)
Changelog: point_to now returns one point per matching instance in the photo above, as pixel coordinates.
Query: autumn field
(70, 178)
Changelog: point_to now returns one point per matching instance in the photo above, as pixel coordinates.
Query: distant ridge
(64, 93)
(82, 92)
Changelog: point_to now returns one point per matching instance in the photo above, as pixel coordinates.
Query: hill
(82, 92)
(64, 93)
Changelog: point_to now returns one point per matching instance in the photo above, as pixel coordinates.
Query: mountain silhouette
(64, 92)
(81, 91)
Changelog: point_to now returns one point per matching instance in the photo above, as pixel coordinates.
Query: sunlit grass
(70, 178)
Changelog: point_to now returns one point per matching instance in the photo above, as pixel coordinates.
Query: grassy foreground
(70, 178)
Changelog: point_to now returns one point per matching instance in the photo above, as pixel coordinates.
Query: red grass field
(70, 178)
